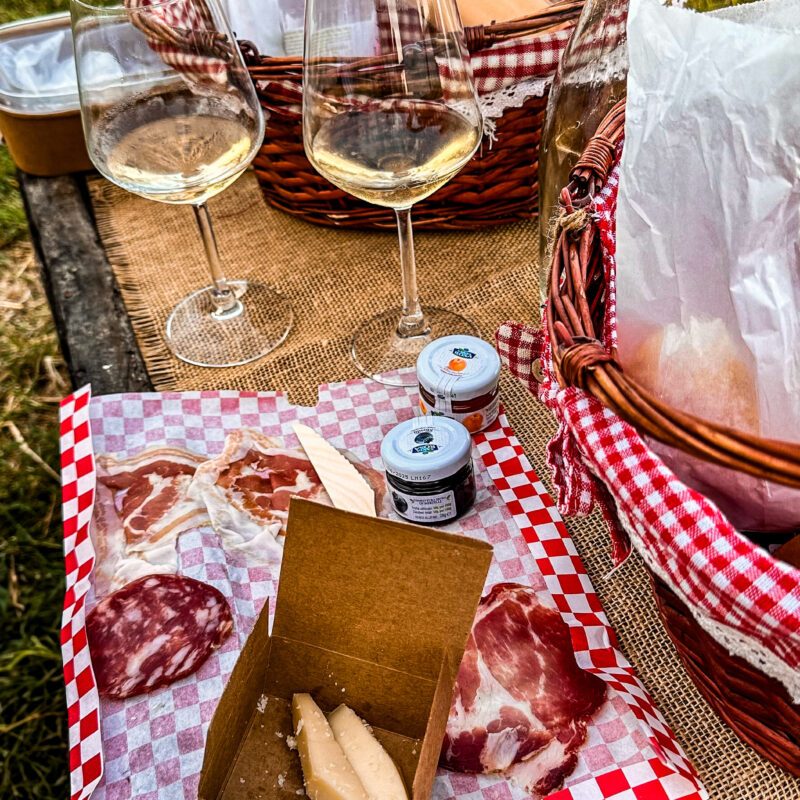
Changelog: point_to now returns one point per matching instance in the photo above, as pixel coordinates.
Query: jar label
(461, 362)
(426, 508)
(424, 440)
(473, 421)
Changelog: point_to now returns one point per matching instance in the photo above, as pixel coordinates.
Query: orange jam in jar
(458, 378)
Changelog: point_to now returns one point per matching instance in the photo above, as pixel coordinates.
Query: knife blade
(344, 484)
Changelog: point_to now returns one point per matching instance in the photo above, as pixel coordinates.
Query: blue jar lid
(426, 449)
(461, 367)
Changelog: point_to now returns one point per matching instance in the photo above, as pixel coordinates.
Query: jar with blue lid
(429, 473)
(459, 378)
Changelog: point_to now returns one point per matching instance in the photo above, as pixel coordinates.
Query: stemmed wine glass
(170, 113)
(390, 115)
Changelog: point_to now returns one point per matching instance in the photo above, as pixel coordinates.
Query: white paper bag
(708, 231)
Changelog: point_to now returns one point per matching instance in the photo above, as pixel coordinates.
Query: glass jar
(458, 378)
(429, 473)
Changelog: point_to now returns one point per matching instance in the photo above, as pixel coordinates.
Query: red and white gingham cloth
(744, 598)
(152, 746)
(497, 67)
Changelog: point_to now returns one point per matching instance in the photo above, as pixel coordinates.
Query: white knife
(346, 487)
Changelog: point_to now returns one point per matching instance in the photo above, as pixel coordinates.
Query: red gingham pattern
(154, 744)
(183, 17)
(517, 60)
(494, 68)
(77, 488)
(746, 599)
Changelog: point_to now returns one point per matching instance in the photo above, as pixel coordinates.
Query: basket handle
(575, 312)
(479, 37)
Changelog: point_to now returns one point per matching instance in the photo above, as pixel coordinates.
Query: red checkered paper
(152, 745)
(747, 600)
(83, 702)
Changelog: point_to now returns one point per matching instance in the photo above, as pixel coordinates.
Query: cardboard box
(369, 612)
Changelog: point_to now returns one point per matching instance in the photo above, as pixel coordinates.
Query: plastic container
(428, 462)
(39, 109)
(458, 378)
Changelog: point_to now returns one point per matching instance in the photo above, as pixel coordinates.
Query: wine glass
(170, 113)
(390, 114)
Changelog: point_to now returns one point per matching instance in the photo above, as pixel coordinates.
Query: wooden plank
(93, 327)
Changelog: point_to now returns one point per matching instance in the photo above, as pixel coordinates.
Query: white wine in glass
(170, 113)
(390, 115)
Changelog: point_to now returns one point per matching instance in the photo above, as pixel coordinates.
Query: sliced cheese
(326, 772)
(373, 765)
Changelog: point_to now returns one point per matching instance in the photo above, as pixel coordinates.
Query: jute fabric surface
(335, 280)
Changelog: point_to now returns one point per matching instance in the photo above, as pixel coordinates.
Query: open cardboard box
(371, 613)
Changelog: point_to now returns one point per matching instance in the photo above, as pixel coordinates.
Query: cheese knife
(344, 484)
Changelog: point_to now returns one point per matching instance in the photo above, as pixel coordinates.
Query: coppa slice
(327, 773)
(153, 632)
(373, 765)
(521, 703)
(151, 494)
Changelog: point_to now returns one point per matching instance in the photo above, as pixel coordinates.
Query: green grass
(21, 9)
(33, 744)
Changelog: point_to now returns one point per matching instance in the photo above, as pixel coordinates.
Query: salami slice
(153, 632)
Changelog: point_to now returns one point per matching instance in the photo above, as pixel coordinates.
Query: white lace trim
(734, 641)
(494, 105)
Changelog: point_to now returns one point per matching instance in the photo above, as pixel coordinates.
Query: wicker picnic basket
(758, 708)
(498, 185)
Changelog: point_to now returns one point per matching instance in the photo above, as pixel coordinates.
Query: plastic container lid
(37, 66)
(426, 449)
(461, 367)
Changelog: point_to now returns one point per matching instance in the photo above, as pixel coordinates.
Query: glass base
(376, 347)
(260, 322)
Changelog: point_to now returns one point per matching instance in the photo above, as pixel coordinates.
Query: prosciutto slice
(521, 702)
(248, 487)
(247, 490)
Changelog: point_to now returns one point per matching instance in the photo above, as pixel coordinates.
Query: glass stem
(225, 302)
(412, 320)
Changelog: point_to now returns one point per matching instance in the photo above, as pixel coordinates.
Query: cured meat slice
(153, 632)
(248, 487)
(151, 494)
(521, 702)
(114, 564)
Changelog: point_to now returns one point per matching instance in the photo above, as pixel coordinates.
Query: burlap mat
(335, 280)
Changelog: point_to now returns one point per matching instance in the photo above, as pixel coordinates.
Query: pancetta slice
(521, 702)
(151, 495)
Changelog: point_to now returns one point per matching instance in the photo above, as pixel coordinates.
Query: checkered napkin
(151, 747)
(747, 600)
(182, 33)
(499, 66)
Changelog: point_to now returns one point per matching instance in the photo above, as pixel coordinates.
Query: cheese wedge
(373, 765)
(326, 771)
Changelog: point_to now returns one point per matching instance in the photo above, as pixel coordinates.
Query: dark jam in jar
(429, 471)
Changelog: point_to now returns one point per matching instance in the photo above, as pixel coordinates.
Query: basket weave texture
(499, 185)
(757, 707)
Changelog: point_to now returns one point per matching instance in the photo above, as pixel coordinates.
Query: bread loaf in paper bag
(708, 232)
